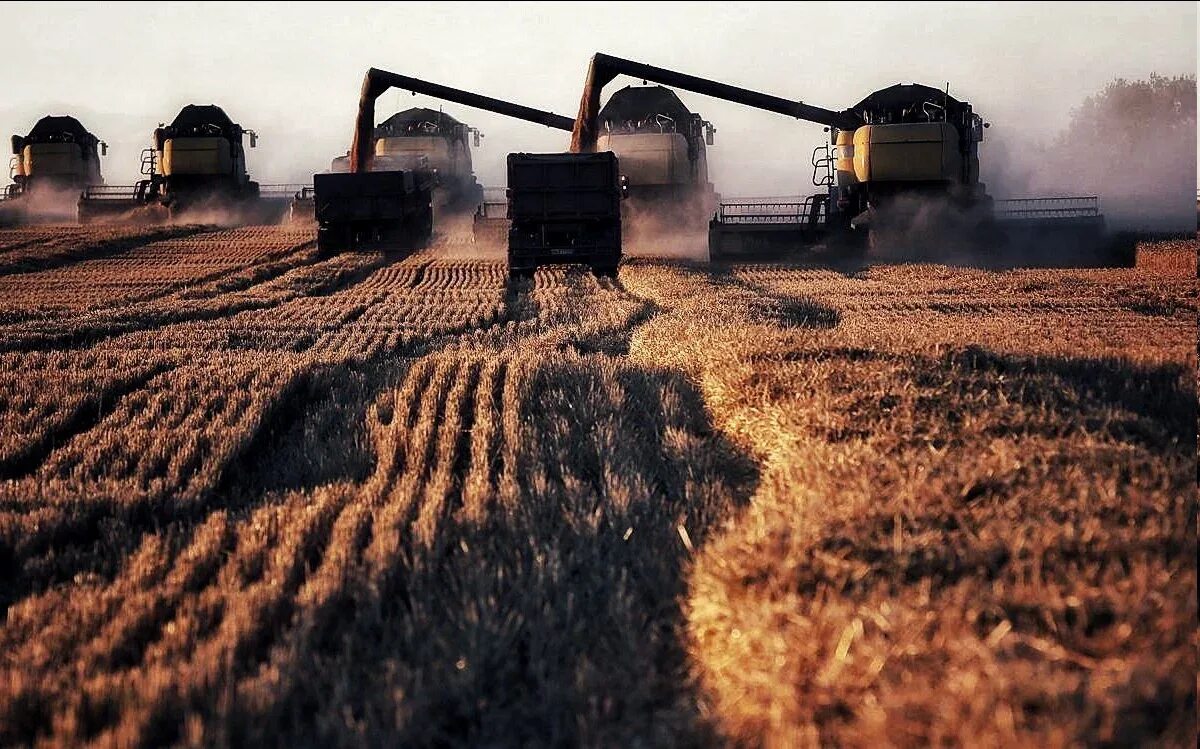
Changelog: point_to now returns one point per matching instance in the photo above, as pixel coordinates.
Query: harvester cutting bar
(769, 211)
(760, 227)
(787, 210)
(111, 192)
(124, 203)
(284, 191)
(490, 224)
(1035, 208)
(494, 203)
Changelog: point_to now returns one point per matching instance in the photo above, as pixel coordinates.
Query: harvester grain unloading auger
(196, 166)
(50, 166)
(902, 151)
(393, 209)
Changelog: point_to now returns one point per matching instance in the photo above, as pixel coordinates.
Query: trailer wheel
(606, 270)
(331, 239)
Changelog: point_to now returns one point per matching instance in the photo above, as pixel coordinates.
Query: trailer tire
(606, 270)
(333, 239)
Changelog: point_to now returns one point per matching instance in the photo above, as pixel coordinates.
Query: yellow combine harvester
(196, 166)
(422, 139)
(49, 167)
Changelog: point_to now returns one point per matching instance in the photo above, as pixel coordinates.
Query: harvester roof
(198, 115)
(53, 129)
(635, 103)
(906, 102)
(418, 120)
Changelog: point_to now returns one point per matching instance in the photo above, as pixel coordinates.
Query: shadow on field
(547, 614)
(316, 434)
(755, 302)
(782, 310)
(1111, 402)
(1075, 472)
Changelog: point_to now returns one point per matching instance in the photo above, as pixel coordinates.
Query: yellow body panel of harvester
(911, 152)
(52, 160)
(196, 156)
(434, 148)
(649, 158)
(845, 157)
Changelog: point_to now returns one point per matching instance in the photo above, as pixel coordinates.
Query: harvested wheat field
(253, 495)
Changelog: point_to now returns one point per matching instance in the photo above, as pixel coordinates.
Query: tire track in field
(24, 461)
(20, 258)
(288, 281)
(429, 479)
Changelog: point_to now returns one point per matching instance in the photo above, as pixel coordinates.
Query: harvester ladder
(149, 157)
(823, 161)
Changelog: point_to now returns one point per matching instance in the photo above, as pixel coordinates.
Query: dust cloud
(43, 204)
(649, 229)
(1133, 144)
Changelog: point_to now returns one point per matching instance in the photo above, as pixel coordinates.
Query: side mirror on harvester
(253, 138)
(103, 148)
(709, 131)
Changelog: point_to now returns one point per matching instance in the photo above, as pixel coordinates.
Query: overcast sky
(292, 71)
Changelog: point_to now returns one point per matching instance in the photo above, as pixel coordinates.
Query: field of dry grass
(251, 495)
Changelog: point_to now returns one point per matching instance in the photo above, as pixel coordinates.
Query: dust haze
(1132, 143)
(295, 77)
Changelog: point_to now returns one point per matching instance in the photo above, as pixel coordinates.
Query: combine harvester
(196, 170)
(901, 165)
(421, 139)
(50, 166)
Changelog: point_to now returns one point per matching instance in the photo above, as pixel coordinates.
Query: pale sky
(292, 71)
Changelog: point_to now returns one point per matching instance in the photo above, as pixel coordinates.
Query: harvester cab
(56, 160)
(200, 156)
(915, 148)
(197, 161)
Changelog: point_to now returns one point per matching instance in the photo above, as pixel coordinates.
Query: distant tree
(1134, 144)
(1133, 111)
